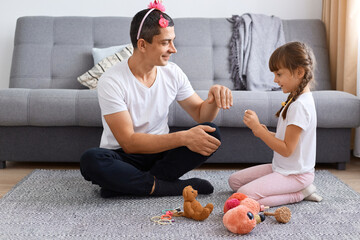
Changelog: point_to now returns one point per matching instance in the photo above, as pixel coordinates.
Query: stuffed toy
(192, 208)
(237, 198)
(241, 213)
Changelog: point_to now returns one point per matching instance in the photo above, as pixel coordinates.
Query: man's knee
(94, 160)
(215, 133)
(87, 160)
(88, 156)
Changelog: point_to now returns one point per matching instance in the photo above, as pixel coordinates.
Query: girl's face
(286, 80)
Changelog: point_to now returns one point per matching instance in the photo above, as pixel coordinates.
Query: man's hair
(150, 26)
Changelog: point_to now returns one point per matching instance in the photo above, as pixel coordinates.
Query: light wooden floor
(14, 172)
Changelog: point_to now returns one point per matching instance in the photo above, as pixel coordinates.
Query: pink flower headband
(152, 6)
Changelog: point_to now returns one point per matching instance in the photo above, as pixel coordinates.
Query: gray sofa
(47, 116)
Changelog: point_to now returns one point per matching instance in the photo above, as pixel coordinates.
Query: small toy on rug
(282, 215)
(242, 213)
(192, 208)
(167, 217)
(163, 219)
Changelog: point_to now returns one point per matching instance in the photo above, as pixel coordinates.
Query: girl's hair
(292, 56)
(150, 26)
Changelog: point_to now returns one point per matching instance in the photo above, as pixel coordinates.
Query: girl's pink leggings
(270, 188)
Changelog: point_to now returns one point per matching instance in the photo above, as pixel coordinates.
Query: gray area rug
(59, 204)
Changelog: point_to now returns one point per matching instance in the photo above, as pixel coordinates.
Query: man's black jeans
(133, 174)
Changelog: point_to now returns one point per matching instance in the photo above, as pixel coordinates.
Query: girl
(290, 176)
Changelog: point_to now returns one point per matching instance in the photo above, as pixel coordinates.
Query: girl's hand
(251, 120)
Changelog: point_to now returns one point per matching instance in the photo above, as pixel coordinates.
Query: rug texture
(60, 204)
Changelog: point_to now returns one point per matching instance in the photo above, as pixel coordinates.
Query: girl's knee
(233, 182)
(248, 192)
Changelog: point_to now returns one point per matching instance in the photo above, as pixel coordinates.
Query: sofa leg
(2, 164)
(341, 166)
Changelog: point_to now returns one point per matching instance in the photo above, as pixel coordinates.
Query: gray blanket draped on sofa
(254, 38)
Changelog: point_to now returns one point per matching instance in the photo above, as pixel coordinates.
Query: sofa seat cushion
(49, 107)
(335, 109)
(65, 107)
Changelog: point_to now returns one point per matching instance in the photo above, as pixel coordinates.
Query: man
(138, 155)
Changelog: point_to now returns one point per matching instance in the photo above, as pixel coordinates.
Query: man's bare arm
(206, 111)
(196, 139)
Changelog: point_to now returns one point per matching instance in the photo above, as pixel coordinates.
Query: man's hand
(252, 121)
(198, 140)
(221, 95)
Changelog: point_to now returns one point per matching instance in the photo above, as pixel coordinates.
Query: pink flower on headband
(163, 22)
(158, 5)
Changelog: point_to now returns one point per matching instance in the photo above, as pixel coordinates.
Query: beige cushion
(91, 77)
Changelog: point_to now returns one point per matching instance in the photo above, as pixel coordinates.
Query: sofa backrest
(51, 52)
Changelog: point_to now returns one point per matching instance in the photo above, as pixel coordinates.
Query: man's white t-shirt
(301, 113)
(119, 90)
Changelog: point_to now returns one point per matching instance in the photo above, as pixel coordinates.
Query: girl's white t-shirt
(301, 113)
(119, 90)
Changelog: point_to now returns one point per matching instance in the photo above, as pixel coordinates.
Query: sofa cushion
(91, 77)
(101, 53)
(312, 32)
(51, 52)
(49, 107)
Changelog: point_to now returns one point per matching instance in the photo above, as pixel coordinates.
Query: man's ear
(300, 72)
(141, 44)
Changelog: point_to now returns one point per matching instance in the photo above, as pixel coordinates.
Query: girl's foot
(308, 190)
(314, 197)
